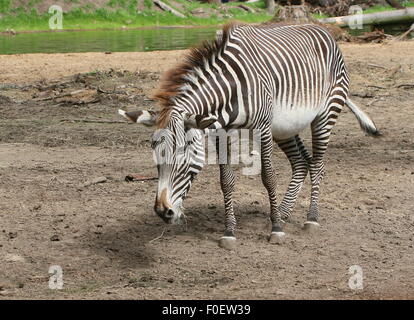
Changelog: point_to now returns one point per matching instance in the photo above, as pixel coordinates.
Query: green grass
(102, 19)
(378, 8)
(118, 14)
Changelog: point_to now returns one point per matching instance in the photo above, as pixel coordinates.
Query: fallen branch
(92, 121)
(92, 182)
(137, 177)
(395, 4)
(166, 7)
(54, 85)
(394, 71)
(246, 8)
(364, 95)
(159, 237)
(374, 36)
(376, 87)
(400, 16)
(82, 96)
(405, 85)
(68, 94)
(402, 36)
(376, 66)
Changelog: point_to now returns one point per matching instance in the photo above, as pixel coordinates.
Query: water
(105, 40)
(124, 40)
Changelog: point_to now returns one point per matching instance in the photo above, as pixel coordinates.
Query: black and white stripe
(279, 79)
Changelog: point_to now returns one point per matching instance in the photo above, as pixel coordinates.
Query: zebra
(276, 78)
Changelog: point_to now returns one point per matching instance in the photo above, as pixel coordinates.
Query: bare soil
(106, 237)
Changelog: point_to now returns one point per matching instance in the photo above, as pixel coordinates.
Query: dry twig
(159, 237)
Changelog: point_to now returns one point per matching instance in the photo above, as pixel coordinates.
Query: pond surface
(125, 40)
(105, 40)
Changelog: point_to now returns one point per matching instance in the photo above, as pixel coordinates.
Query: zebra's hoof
(228, 243)
(277, 237)
(311, 226)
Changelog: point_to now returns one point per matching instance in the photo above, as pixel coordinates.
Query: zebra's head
(179, 155)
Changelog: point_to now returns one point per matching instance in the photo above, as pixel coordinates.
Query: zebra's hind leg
(299, 159)
(228, 241)
(321, 131)
(269, 181)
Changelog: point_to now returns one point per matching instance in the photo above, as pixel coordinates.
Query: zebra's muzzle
(165, 210)
(169, 216)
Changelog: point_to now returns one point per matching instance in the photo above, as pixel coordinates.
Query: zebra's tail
(366, 123)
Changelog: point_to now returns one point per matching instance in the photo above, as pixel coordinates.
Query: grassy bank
(379, 8)
(32, 15)
(127, 13)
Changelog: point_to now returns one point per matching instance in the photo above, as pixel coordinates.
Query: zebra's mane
(175, 79)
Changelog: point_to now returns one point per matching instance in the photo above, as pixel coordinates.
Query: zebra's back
(297, 67)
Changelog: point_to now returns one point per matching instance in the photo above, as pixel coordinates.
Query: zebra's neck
(211, 91)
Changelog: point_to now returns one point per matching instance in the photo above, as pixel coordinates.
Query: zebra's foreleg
(269, 181)
(227, 178)
(299, 159)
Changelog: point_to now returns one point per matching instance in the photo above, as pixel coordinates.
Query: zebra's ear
(145, 117)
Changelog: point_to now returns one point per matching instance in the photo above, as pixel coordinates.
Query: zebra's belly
(289, 122)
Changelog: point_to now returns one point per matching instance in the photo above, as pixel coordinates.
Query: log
(246, 8)
(137, 177)
(166, 7)
(397, 16)
(395, 4)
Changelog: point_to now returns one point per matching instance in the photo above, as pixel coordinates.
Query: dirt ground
(105, 236)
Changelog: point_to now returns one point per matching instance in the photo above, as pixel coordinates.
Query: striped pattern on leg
(321, 131)
(227, 180)
(299, 159)
(269, 179)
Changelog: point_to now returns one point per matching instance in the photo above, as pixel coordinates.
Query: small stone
(12, 235)
(36, 207)
(55, 238)
(5, 293)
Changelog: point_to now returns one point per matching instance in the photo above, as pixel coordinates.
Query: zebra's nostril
(169, 213)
